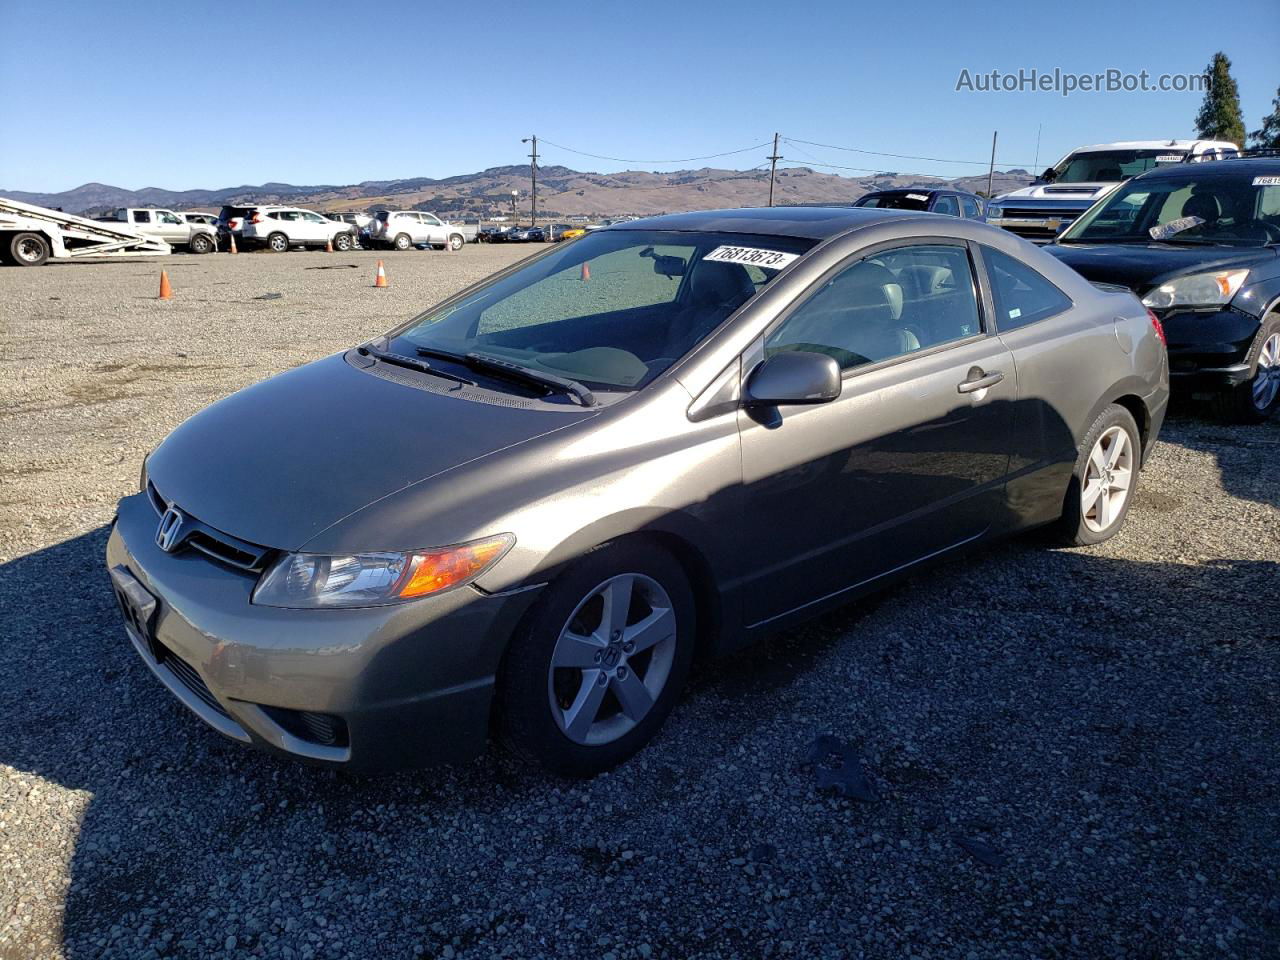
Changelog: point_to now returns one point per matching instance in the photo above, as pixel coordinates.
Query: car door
(172, 227)
(435, 229)
(318, 229)
(909, 461)
(141, 221)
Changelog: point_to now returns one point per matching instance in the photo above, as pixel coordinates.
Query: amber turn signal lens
(434, 570)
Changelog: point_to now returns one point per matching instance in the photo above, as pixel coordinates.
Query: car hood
(1141, 266)
(1055, 191)
(281, 461)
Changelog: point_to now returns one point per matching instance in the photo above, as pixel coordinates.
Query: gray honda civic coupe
(526, 511)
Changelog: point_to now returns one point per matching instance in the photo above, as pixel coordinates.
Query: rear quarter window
(1022, 295)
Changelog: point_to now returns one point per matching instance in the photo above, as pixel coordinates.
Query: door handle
(979, 382)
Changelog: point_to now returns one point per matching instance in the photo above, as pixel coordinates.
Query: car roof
(1153, 145)
(812, 223)
(1245, 167)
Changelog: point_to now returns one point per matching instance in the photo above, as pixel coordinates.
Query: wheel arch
(686, 538)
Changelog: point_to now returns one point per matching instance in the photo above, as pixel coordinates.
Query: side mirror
(794, 377)
(1049, 175)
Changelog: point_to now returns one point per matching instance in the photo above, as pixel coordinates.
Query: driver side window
(893, 303)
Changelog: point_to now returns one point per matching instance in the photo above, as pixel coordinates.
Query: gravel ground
(1073, 752)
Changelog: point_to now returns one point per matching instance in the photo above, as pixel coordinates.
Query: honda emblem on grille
(169, 533)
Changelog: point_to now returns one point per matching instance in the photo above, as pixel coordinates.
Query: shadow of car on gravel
(195, 839)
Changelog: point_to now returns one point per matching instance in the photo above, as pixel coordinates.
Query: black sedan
(951, 203)
(1200, 244)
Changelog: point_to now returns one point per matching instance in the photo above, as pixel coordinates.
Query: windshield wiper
(410, 363)
(516, 371)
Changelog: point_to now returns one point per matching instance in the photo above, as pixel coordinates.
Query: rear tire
(1258, 397)
(1106, 476)
(402, 241)
(574, 715)
(456, 241)
(28, 250)
(278, 243)
(343, 242)
(201, 243)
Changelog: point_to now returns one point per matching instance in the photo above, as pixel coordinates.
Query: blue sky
(203, 95)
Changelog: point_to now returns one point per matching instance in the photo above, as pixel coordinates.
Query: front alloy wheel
(600, 659)
(612, 659)
(1266, 382)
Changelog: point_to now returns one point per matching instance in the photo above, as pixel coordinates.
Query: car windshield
(1108, 166)
(897, 201)
(1241, 210)
(612, 310)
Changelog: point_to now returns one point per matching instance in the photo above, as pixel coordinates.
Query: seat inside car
(715, 290)
(860, 313)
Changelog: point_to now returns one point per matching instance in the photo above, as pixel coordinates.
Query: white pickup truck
(167, 226)
(1070, 186)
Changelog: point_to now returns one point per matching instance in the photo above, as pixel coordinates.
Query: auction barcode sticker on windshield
(1266, 181)
(1169, 158)
(751, 256)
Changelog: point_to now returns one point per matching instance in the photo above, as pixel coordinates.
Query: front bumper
(1210, 349)
(404, 685)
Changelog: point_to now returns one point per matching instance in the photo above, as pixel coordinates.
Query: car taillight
(1155, 322)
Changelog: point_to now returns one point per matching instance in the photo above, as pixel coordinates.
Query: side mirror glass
(794, 377)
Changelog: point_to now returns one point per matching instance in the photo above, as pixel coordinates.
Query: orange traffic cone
(586, 271)
(233, 244)
(380, 278)
(166, 292)
(328, 247)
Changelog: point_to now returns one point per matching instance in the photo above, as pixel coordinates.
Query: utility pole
(773, 166)
(991, 170)
(533, 174)
(1035, 166)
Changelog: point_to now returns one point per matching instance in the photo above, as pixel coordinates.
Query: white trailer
(30, 235)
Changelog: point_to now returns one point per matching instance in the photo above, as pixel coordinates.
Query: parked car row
(534, 233)
(280, 228)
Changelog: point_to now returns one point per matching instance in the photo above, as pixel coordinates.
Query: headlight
(1197, 290)
(142, 475)
(995, 212)
(371, 579)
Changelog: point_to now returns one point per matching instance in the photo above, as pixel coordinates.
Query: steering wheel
(1270, 229)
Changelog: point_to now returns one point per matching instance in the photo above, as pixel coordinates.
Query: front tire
(1258, 397)
(600, 661)
(1103, 484)
(278, 243)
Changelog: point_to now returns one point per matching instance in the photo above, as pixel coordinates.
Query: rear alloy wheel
(1258, 397)
(455, 241)
(601, 662)
(28, 249)
(402, 241)
(201, 243)
(343, 242)
(1106, 474)
(278, 243)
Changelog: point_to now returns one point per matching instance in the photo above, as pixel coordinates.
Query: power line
(899, 156)
(710, 156)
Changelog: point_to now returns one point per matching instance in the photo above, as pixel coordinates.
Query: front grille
(214, 543)
(188, 675)
(1038, 213)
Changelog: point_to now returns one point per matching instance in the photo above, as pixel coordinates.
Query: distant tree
(1268, 135)
(1219, 117)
